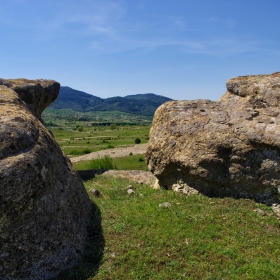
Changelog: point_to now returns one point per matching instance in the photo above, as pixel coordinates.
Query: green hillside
(139, 104)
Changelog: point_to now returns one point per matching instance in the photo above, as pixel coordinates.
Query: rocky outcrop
(137, 176)
(226, 148)
(37, 94)
(44, 208)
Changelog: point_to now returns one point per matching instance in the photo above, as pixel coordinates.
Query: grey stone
(226, 148)
(164, 204)
(260, 211)
(44, 208)
(276, 209)
(130, 187)
(95, 192)
(130, 191)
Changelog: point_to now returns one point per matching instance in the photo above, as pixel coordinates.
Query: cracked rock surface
(44, 208)
(226, 148)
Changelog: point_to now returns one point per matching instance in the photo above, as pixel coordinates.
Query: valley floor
(138, 149)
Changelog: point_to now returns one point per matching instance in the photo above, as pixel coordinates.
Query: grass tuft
(101, 163)
(80, 151)
(133, 162)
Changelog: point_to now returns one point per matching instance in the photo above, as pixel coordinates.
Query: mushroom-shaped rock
(44, 208)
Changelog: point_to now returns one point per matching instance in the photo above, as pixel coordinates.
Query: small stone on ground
(130, 191)
(94, 192)
(165, 204)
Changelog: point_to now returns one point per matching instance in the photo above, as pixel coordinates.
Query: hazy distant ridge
(140, 104)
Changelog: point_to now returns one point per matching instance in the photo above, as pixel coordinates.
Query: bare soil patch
(137, 176)
(138, 149)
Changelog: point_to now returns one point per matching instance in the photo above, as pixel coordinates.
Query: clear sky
(182, 49)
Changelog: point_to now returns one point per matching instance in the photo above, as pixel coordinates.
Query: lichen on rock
(44, 208)
(226, 148)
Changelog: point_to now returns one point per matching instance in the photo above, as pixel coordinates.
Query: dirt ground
(138, 149)
(137, 176)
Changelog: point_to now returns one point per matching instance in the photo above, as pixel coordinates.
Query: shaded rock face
(226, 148)
(44, 208)
(37, 94)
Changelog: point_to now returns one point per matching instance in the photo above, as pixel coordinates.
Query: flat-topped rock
(44, 208)
(229, 147)
(137, 176)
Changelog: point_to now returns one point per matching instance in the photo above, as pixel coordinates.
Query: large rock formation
(44, 208)
(229, 147)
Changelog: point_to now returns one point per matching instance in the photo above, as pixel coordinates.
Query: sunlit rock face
(224, 148)
(44, 208)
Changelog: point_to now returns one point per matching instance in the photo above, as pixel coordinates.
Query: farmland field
(70, 118)
(85, 140)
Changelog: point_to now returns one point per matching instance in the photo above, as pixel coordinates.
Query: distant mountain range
(138, 104)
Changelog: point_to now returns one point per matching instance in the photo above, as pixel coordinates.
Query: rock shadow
(190, 184)
(90, 174)
(91, 259)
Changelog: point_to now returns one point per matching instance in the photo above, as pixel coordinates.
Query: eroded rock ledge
(44, 208)
(224, 148)
(37, 94)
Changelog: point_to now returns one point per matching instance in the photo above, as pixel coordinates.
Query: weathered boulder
(44, 208)
(226, 148)
(37, 94)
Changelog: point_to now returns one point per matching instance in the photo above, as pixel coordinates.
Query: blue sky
(182, 49)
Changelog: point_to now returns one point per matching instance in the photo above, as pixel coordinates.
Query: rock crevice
(228, 147)
(44, 208)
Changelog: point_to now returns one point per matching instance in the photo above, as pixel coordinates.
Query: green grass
(196, 238)
(66, 118)
(74, 142)
(136, 162)
(101, 163)
(80, 151)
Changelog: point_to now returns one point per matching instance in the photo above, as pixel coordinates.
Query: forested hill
(140, 104)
